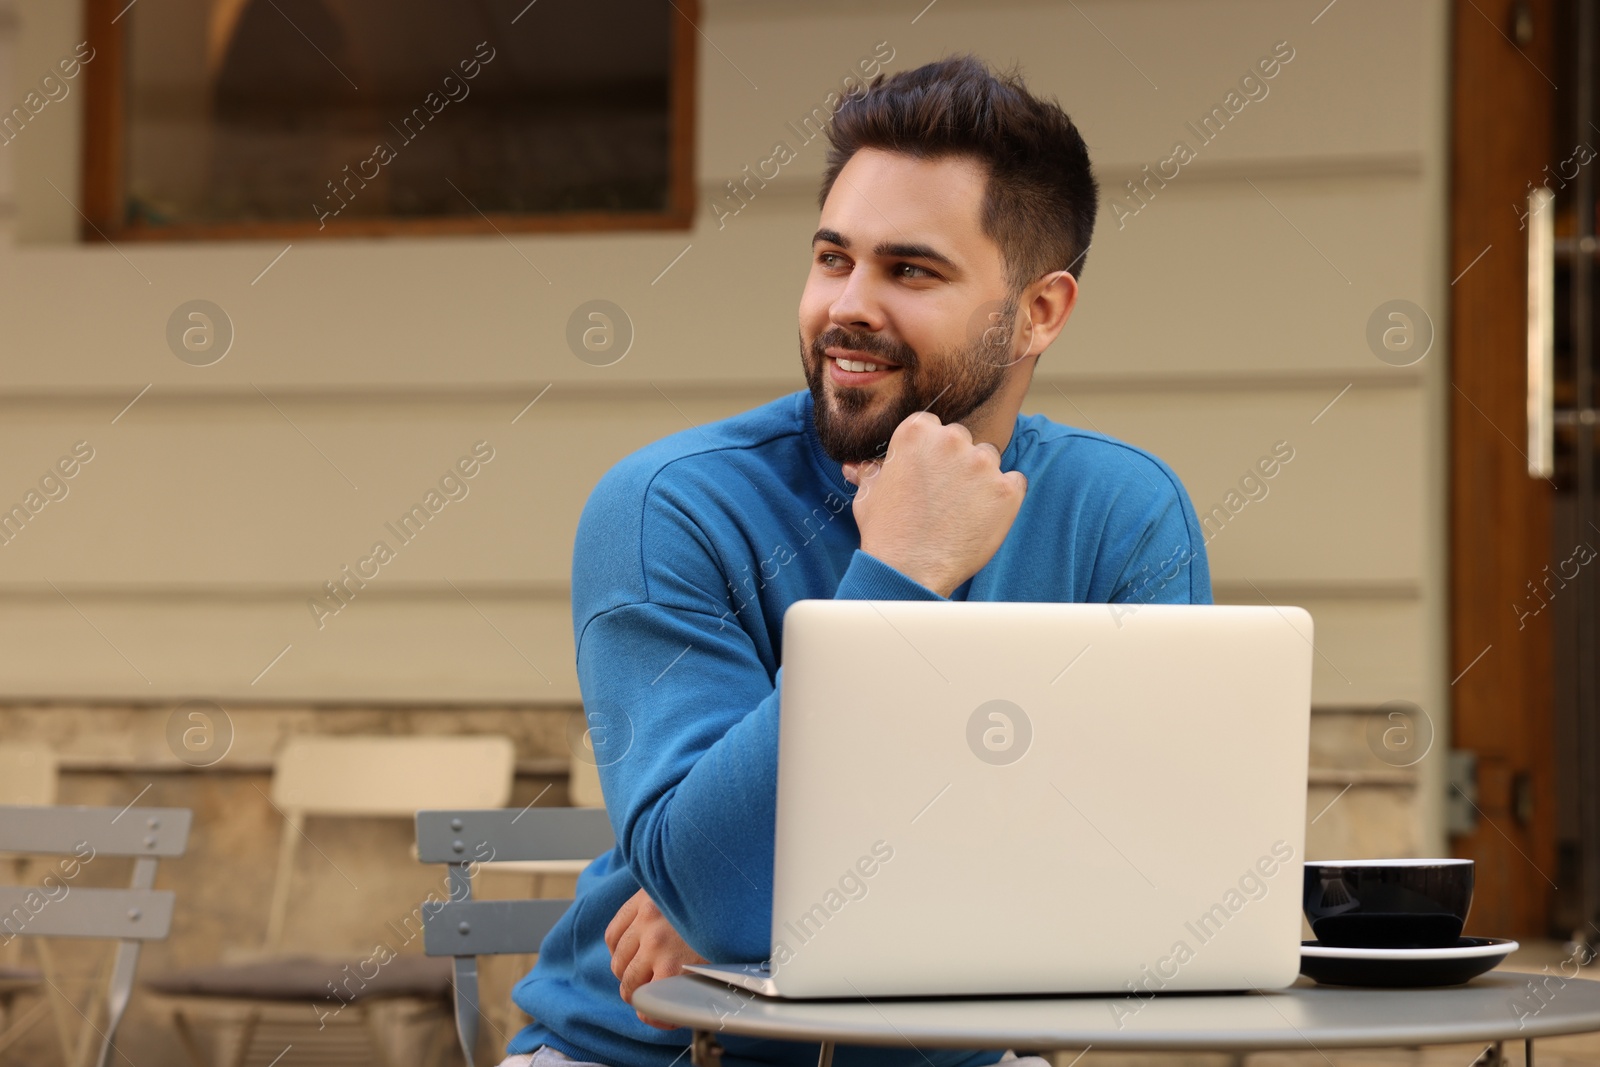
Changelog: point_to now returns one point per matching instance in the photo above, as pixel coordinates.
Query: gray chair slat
(492, 927)
(512, 834)
(134, 914)
(109, 831)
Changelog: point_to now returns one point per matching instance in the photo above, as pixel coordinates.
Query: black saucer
(1408, 968)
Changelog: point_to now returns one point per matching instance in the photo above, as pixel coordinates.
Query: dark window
(240, 118)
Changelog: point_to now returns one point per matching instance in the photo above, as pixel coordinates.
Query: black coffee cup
(1401, 903)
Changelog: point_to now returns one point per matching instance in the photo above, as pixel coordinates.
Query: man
(956, 213)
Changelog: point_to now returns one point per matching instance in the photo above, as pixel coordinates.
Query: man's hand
(644, 947)
(937, 507)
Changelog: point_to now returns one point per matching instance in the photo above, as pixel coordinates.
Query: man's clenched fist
(937, 507)
(644, 947)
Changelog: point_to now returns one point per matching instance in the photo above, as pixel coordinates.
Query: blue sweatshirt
(687, 554)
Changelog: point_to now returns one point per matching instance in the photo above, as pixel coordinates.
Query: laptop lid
(986, 797)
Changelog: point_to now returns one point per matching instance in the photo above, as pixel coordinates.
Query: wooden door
(1502, 129)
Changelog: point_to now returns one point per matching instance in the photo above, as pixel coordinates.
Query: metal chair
(263, 999)
(583, 791)
(131, 916)
(465, 928)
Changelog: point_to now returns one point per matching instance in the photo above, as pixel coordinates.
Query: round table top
(1499, 1006)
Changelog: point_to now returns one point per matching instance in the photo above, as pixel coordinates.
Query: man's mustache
(867, 344)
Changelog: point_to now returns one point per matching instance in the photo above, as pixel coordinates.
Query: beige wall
(1223, 317)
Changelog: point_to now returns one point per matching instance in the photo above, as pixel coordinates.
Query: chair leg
(186, 1038)
(439, 1043)
(435, 1018)
(91, 1011)
(117, 998)
(247, 1034)
(374, 1029)
(466, 1004)
(19, 1026)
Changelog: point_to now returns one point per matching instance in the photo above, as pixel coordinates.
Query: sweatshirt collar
(829, 469)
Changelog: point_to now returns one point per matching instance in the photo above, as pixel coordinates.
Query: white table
(1305, 1016)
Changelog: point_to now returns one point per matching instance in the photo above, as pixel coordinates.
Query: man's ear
(1048, 304)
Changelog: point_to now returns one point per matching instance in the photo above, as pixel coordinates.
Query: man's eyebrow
(890, 249)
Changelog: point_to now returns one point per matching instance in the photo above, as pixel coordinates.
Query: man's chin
(856, 436)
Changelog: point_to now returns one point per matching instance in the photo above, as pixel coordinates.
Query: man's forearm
(696, 813)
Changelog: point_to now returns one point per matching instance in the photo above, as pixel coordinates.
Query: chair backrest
(27, 774)
(57, 908)
(378, 776)
(467, 928)
(583, 784)
(392, 775)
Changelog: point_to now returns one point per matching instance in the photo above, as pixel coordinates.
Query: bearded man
(956, 213)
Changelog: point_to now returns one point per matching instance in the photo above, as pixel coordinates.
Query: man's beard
(970, 375)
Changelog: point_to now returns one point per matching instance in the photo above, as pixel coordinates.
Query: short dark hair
(1040, 200)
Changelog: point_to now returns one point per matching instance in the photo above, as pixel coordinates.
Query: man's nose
(857, 306)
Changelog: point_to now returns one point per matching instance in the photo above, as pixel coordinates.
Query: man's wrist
(870, 578)
(939, 584)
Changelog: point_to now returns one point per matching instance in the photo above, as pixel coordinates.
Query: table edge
(1489, 1030)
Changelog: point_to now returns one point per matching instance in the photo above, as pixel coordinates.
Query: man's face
(902, 279)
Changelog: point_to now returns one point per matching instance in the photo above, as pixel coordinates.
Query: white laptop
(994, 798)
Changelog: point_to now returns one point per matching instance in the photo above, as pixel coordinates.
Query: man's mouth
(851, 370)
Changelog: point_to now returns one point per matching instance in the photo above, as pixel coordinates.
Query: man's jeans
(545, 1056)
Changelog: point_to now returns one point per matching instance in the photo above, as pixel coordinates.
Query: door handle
(1541, 332)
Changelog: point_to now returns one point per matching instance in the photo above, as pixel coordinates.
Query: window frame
(104, 156)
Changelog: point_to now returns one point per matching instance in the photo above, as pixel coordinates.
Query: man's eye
(826, 258)
(924, 272)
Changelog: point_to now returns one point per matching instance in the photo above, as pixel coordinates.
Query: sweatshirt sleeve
(1151, 546)
(683, 716)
